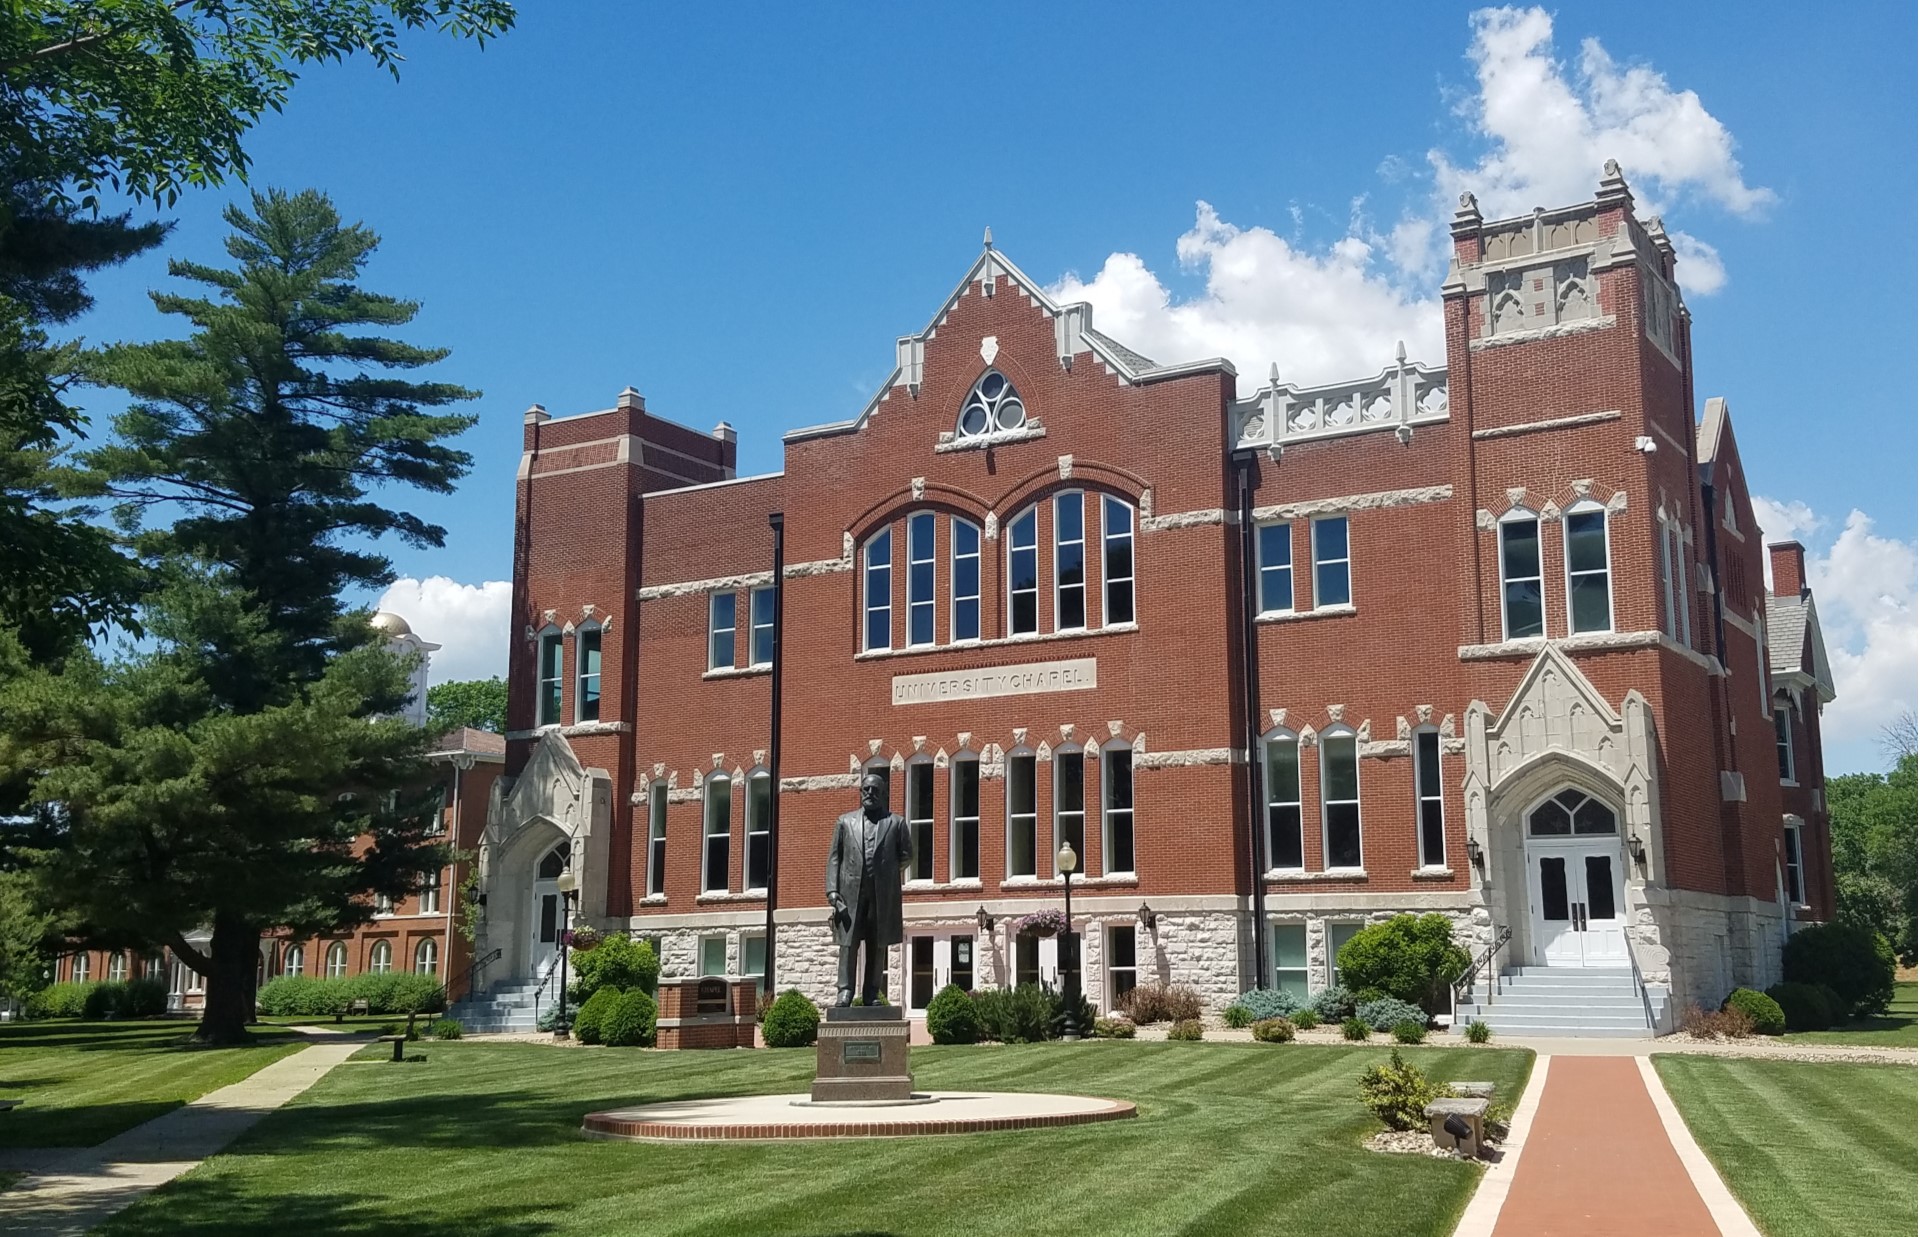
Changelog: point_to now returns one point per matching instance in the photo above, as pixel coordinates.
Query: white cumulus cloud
(468, 621)
(1538, 131)
(1864, 589)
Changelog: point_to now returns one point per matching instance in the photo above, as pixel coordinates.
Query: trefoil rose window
(992, 407)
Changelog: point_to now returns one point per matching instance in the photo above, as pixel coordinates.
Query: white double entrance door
(1579, 913)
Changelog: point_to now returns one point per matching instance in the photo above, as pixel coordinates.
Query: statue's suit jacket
(846, 863)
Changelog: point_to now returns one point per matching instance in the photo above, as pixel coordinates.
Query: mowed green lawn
(484, 1138)
(81, 1083)
(1811, 1149)
(1893, 1029)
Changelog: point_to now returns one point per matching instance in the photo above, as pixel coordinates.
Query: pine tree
(176, 811)
(277, 430)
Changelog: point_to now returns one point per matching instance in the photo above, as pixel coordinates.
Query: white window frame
(1013, 547)
(954, 558)
(380, 958)
(117, 967)
(1333, 952)
(915, 602)
(430, 892)
(956, 820)
(1783, 742)
(81, 968)
(1304, 971)
(868, 570)
(1030, 817)
(1421, 798)
(1345, 561)
(293, 962)
(427, 951)
(580, 675)
(1075, 755)
(755, 626)
(700, 955)
(1794, 869)
(382, 905)
(1280, 735)
(1520, 515)
(746, 967)
(1340, 734)
(1064, 501)
(1111, 537)
(1130, 933)
(708, 833)
(336, 959)
(920, 828)
(1285, 528)
(657, 839)
(1111, 815)
(732, 629)
(757, 826)
(1586, 508)
(543, 682)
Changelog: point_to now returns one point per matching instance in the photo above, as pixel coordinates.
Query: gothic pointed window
(992, 407)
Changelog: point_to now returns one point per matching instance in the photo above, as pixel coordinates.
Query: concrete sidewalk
(85, 1186)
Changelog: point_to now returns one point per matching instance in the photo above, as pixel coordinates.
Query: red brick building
(1493, 633)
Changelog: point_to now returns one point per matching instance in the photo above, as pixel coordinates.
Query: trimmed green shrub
(1478, 1032)
(1398, 1093)
(1803, 1006)
(1409, 958)
(1158, 1002)
(616, 962)
(792, 1021)
(1856, 963)
(1304, 1018)
(146, 997)
(1385, 1013)
(1267, 1003)
(1410, 1032)
(630, 1023)
(1237, 1016)
(1112, 1028)
(59, 1001)
(952, 1018)
(590, 1023)
(447, 1028)
(548, 1016)
(1354, 1029)
(1023, 1015)
(1334, 1004)
(1762, 1010)
(1186, 1030)
(1273, 1031)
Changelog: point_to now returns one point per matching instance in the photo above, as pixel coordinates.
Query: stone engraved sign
(853, 1050)
(711, 997)
(1034, 678)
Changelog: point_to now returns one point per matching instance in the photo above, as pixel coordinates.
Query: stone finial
(1613, 186)
(986, 241)
(1399, 352)
(536, 413)
(1466, 219)
(1610, 170)
(1273, 376)
(630, 398)
(725, 432)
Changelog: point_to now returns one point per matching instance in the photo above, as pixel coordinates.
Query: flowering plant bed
(580, 940)
(1041, 923)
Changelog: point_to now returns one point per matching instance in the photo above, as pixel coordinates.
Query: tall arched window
(920, 816)
(551, 652)
(1116, 809)
(1285, 849)
(877, 591)
(964, 581)
(82, 968)
(1116, 561)
(426, 957)
(920, 565)
(1522, 601)
(717, 853)
(759, 829)
(1023, 815)
(336, 960)
(295, 961)
(117, 968)
(1340, 797)
(1023, 574)
(380, 961)
(586, 669)
(1069, 561)
(965, 775)
(1070, 803)
(1589, 578)
(1428, 800)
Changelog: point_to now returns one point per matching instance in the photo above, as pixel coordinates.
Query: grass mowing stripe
(1809, 1148)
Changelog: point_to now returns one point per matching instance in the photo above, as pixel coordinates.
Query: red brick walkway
(1598, 1162)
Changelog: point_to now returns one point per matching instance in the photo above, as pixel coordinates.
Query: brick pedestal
(707, 1013)
(861, 1057)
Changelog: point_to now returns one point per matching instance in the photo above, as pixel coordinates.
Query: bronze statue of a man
(871, 848)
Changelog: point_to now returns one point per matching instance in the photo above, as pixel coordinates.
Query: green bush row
(396, 992)
(135, 998)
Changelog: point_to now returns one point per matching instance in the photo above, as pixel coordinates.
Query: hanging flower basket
(1042, 923)
(580, 940)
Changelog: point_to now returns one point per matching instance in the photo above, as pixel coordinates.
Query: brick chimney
(1789, 568)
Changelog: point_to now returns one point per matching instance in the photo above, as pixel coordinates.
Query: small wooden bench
(1472, 1111)
(358, 1006)
(399, 1043)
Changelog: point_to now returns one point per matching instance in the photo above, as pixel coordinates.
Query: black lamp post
(1069, 948)
(569, 887)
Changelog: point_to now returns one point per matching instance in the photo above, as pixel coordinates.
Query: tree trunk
(232, 955)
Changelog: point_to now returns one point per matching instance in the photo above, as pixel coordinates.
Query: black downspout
(1250, 694)
(779, 522)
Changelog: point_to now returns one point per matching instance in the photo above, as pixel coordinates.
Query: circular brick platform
(791, 1116)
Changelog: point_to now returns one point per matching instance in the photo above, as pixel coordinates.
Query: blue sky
(736, 209)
